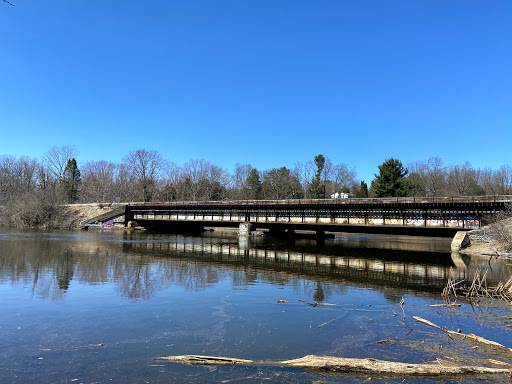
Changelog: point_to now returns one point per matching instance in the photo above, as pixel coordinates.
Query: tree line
(39, 185)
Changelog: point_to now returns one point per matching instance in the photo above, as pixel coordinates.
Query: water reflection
(335, 263)
(140, 264)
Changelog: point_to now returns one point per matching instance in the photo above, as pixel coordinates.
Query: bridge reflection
(396, 268)
(140, 264)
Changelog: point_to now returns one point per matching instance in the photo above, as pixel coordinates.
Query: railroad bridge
(432, 216)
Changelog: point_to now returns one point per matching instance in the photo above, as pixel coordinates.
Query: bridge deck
(454, 201)
(383, 215)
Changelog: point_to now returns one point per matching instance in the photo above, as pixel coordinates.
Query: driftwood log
(387, 368)
(352, 366)
(464, 336)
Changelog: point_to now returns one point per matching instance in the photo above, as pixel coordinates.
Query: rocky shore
(494, 240)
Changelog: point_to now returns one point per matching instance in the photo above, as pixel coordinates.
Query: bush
(37, 209)
(501, 228)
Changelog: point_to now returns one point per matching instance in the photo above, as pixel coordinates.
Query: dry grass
(478, 288)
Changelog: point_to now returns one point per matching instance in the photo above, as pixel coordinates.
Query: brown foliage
(501, 228)
(36, 209)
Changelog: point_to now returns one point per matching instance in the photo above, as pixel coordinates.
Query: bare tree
(216, 179)
(7, 178)
(125, 184)
(28, 171)
(435, 176)
(304, 172)
(239, 181)
(327, 171)
(203, 180)
(498, 181)
(145, 167)
(194, 171)
(344, 178)
(462, 180)
(98, 181)
(171, 182)
(487, 179)
(280, 183)
(431, 175)
(56, 159)
(17, 176)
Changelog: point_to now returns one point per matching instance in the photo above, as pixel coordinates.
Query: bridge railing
(342, 201)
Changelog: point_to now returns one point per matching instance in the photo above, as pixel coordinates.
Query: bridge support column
(244, 229)
(320, 238)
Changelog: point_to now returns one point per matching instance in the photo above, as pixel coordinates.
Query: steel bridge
(427, 216)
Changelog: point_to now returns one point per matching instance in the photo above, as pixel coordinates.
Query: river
(101, 306)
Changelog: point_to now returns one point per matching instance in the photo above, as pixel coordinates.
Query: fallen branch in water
(206, 360)
(497, 362)
(452, 305)
(464, 336)
(327, 322)
(315, 304)
(387, 368)
(352, 366)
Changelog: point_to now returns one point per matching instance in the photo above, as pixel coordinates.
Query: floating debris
(354, 366)
(464, 336)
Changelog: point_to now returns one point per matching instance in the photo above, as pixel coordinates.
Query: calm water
(99, 307)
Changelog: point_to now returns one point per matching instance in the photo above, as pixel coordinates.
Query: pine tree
(390, 181)
(317, 188)
(253, 184)
(70, 181)
(363, 191)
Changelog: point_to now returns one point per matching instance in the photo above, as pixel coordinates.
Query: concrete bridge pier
(244, 229)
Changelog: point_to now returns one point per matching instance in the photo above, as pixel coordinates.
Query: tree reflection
(319, 295)
(64, 271)
(139, 265)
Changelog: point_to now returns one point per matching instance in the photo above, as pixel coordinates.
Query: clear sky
(266, 82)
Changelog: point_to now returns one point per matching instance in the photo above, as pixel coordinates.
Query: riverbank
(35, 215)
(75, 216)
(494, 240)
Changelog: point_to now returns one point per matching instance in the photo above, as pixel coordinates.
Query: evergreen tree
(415, 185)
(70, 181)
(391, 179)
(363, 191)
(317, 188)
(253, 184)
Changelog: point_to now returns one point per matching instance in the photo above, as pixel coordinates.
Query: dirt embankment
(492, 240)
(75, 216)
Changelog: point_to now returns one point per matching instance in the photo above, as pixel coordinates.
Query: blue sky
(265, 82)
